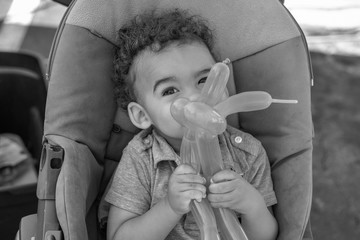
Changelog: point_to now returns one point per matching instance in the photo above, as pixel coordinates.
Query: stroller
(22, 110)
(85, 132)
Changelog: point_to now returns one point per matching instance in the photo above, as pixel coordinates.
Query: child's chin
(174, 134)
(177, 133)
(177, 136)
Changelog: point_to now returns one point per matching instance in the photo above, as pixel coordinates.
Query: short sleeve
(130, 186)
(259, 175)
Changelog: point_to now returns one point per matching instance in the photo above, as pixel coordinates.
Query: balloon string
(284, 101)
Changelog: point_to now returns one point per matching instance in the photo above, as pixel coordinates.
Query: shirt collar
(162, 151)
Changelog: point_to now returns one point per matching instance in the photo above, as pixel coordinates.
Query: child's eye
(202, 81)
(169, 91)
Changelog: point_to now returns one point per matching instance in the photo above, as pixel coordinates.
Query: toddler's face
(177, 71)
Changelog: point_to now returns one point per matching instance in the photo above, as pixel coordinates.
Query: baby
(163, 56)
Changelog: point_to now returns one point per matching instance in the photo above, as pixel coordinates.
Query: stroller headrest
(242, 27)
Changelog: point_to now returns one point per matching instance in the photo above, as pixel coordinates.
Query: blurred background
(332, 29)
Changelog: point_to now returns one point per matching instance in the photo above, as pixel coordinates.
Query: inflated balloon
(204, 120)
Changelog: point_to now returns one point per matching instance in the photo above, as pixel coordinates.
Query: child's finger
(222, 187)
(224, 175)
(191, 178)
(187, 174)
(193, 186)
(195, 194)
(185, 169)
(220, 198)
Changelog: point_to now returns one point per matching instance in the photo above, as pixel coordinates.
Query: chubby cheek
(165, 122)
(173, 129)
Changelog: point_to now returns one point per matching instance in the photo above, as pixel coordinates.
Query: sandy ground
(332, 29)
(336, 162)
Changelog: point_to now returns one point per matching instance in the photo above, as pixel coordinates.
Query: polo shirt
(141, 178)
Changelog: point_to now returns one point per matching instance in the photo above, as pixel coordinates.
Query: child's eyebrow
(204, 71)
(162, 81)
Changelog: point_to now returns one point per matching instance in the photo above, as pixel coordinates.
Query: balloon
(204, 120)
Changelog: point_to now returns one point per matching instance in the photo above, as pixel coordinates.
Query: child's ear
(139, 116)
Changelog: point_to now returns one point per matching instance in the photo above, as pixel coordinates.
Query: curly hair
(154, 31)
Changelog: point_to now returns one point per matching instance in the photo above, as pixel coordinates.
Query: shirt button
(238, 139)
(146, 141)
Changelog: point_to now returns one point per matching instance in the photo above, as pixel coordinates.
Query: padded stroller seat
(268, 53)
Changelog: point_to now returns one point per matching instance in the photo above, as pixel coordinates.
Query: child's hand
(229, 190)
(184, 185)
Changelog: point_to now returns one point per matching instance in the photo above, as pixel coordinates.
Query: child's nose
(194, 95)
